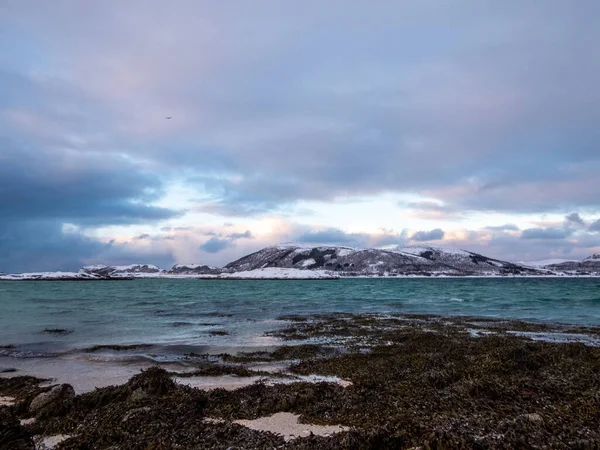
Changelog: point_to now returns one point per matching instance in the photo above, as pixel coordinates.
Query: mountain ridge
(293, 260)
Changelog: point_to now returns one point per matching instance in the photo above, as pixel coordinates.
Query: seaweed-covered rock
(56, 401)
(152, 382)
(13, 436)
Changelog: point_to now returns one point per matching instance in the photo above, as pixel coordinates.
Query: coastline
(358, 364)
(331, 277)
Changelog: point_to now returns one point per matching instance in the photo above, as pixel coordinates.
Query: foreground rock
(56, 401)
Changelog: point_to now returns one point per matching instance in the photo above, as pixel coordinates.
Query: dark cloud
(43, 246)
(28, 246)
(433, 235)
(574, 219)
(506, 227)
(245, 235)
(215, 245)
(330, 236)
(546, 233)
(505, 113)
(218, 243)
(335, 236)
(595, 226)
(43, 189)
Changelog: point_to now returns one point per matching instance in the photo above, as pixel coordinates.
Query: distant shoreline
(333, 278)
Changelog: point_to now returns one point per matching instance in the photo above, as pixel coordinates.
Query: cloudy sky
(464, 123)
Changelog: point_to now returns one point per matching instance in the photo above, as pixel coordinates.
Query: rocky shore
(408, 382)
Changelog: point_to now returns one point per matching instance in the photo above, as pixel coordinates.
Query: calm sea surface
(180, 313)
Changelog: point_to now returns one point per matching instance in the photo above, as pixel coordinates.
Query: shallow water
(178, 315)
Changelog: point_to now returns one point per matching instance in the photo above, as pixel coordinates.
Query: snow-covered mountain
(195, 269)
(101, 270)
(587, 266)
(302, 261)
(348, 261)
(465, 262)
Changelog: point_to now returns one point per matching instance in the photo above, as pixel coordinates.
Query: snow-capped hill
(136, 268)
(48, 276)
(120, 271)
(547, 262)
(427, 251)
(588, 266)
(339, 259)
(194, 269)
(347, 261)
(97, 269)
(465, 262)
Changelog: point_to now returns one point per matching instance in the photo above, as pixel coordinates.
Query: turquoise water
(180, 313)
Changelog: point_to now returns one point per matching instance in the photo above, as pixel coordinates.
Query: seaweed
(417, 382)
(218, 332)
(57, 331)
(118, 348)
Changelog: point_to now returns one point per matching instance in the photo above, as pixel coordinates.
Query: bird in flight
(169, 117)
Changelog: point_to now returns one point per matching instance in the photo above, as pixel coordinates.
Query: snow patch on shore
(280, 273)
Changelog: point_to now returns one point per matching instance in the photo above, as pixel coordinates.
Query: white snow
(345, 251)
(44, 275)
(308, 262)
(280, 273)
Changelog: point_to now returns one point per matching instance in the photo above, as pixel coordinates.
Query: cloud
(433, 235)
(289, 128)
(433, 210)
(546, 233)
(329, 236)
(245, 235)
(335, 236)
(506, 227)
(215, 245)
(500, 117)
(574, 219)
(28, 246)
(595, 226)
(45, 188)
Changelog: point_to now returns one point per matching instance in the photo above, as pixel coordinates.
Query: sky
(459, 123)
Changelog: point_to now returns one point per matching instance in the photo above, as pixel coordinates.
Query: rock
(7, 369)
(533, 417)
(6, 401)
(138, 394)
(135, 411)
(49, 442)
(56, 401)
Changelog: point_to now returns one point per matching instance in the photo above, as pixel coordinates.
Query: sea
(191, 316)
